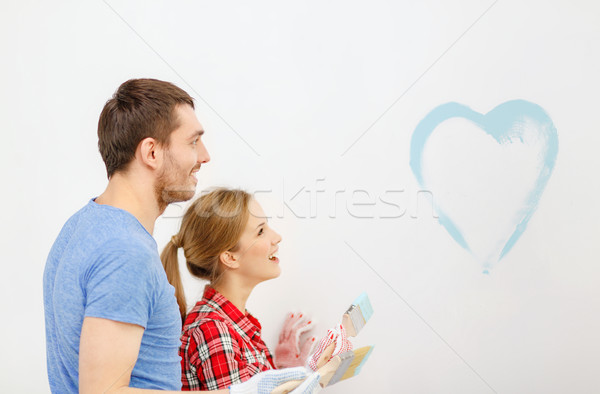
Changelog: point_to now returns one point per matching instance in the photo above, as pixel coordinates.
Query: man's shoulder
(111, 221)
(101, 239)
(104, 228)
(96, 216)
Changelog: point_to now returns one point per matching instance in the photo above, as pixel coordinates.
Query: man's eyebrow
(197, 133)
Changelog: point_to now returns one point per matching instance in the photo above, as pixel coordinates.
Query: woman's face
(257, 248)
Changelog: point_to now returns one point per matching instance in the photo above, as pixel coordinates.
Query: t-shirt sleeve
(119, 285)
(218, 360)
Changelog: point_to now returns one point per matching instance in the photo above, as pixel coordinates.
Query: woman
(227, 241)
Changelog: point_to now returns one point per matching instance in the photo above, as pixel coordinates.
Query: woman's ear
(229, 260)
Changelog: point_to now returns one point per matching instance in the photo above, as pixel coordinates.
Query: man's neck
(135, 197)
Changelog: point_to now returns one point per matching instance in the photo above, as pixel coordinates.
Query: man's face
(182, 160)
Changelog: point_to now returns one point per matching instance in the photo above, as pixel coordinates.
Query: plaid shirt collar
(245, 324)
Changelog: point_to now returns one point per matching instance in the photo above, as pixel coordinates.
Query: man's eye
(195, 141)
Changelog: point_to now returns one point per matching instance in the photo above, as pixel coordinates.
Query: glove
(290, 351)
(334, 335)
(267, 381)
(310, 385)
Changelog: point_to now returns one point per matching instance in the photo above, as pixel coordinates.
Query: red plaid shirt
(220, 345)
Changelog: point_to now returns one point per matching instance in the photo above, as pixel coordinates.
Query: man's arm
(108, 351)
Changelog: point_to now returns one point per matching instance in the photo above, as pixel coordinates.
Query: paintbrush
(340, 367)
(357, 315)
(350, 365)
(353, 320)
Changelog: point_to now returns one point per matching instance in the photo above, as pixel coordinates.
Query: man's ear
(150, 153)
(229, 260)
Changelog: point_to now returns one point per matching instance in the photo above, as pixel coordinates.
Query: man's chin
(171, 196)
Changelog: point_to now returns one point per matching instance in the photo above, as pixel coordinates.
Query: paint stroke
(506, 124)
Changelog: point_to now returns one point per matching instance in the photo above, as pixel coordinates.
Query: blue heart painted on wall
(506, 123)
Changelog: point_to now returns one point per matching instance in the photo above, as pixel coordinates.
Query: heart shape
(507, 123)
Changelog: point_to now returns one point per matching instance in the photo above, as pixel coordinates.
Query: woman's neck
(237, 293)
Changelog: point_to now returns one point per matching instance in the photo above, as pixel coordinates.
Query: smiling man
(112, 321)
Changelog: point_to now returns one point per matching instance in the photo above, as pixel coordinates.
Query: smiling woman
(226, 240)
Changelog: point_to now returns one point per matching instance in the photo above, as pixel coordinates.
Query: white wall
(283, 90)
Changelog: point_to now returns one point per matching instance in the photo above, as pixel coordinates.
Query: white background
(283, 90)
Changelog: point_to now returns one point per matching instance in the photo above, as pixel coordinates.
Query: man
(112, 321)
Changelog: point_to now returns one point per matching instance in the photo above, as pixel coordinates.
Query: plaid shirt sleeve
(214, 356)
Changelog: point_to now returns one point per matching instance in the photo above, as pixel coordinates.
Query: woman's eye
(195, 141)
(260, 231)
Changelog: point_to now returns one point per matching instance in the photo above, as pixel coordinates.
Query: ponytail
(171, 266)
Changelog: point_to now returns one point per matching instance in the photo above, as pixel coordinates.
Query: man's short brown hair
(140, 108)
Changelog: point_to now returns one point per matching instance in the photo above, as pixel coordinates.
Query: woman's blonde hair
(213, 224)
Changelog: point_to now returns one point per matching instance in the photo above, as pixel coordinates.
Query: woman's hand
(291, 351)
(334, 343)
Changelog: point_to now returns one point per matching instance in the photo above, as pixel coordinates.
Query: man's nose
(203, 156)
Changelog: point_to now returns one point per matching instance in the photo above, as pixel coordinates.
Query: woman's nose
(277, 238)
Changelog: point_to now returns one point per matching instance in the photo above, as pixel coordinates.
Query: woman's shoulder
(204, 316)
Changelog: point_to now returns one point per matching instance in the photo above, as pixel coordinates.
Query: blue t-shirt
(105, 264)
